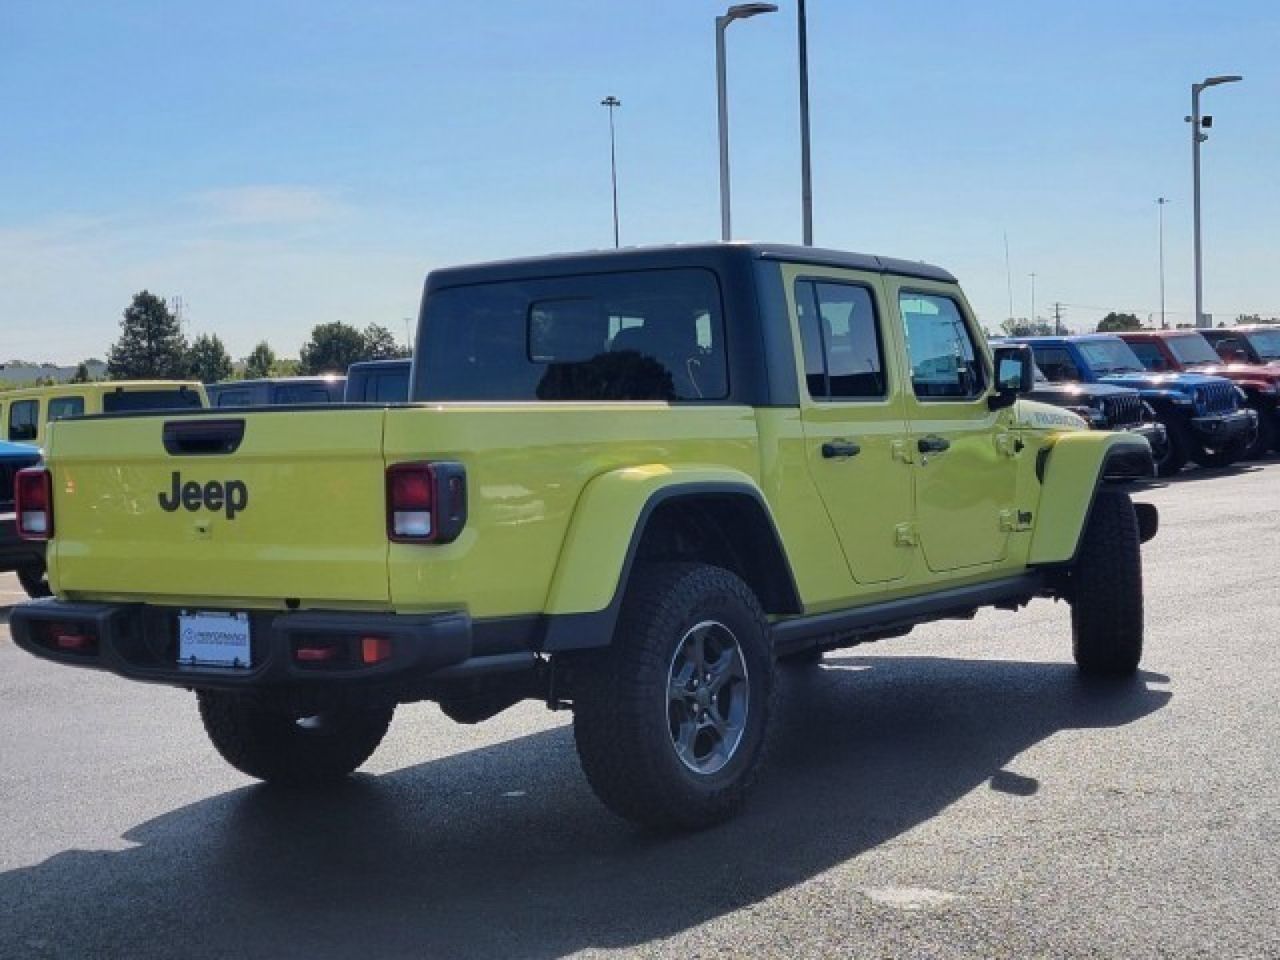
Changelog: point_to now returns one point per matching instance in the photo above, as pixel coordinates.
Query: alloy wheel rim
(708, 697)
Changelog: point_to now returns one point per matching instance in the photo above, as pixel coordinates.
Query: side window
(1150, 355)
(60, 407)
(23, 419)
(940, 348)
(234, 398)
(840, 340)
(1057, 364)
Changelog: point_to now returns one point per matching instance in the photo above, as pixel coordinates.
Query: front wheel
(1177, 448)
(1266, 438)
(1106, 589)
(280, 746)
(670, 721)
(1223, 454)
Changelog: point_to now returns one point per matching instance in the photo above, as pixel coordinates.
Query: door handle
(834, 449)
(933, 444)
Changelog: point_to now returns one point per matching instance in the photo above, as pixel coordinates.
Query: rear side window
(60, 407)
(944, 360)
(1057, 364)
(23, 419)
(1150, 355)
(641, 335)
(235, 398)
(123, 400)
(840, 339)
(310, 393)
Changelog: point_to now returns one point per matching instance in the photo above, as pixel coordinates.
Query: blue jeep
(24, 556)
(1204, 417)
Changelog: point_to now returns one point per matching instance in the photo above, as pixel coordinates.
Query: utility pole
(1057, 319)
(1160, 202)
(612, 102)
(806, 175)
(1198, 124)
(1032, 318)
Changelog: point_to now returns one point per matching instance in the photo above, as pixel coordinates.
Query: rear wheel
(34, 579)
(1106, 589)
(670, 721)
(283, 747)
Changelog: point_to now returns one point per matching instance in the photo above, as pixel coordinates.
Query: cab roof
(707, 255)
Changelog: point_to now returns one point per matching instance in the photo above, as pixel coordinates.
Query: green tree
(259, 362)
(380, 344)
(1113, 322)
(151, 344)
(332, 348)
(208, 359)
(1021, 327)
(81, 375)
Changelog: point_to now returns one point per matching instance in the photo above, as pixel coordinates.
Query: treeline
(152, 346)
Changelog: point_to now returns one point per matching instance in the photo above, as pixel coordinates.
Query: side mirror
(1015, 374)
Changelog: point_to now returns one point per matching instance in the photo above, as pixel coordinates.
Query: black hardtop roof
(710, 255)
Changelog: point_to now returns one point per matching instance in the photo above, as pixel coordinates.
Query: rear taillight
(426, 502)
(33, 503)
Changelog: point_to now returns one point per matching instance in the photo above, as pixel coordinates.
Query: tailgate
(255, 509)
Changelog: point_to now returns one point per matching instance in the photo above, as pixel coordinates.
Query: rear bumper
(1226, 426)
(139, 641)
(14, 551)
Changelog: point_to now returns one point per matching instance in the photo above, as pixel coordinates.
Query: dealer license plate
(214, 639)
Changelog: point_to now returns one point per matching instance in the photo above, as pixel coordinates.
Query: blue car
(23, 556)
(1204, 417)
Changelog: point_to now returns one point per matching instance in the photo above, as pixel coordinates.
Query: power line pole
(1032, 318)
(806, 175)
(1160, 202)
(612, 102)
(1057, 319)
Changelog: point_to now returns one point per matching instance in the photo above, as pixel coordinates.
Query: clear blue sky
(284, 164)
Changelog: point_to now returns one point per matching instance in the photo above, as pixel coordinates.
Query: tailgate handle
(193, 438)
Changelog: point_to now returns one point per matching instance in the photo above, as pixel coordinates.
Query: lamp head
(742, 11)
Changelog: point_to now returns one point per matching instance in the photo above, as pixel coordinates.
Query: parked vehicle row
(1206, 417)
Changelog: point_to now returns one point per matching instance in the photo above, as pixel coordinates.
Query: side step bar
(796, 634)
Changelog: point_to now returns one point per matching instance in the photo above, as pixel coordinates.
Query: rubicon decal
(230, 497)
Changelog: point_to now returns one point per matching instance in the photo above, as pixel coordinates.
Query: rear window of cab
(638, 335)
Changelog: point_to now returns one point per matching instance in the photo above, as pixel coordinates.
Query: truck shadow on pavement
(503, 851)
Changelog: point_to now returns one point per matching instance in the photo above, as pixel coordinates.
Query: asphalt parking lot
(955, 793)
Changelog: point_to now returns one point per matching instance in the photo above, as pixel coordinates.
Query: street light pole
(1032, 318)
(1160, 202)
(740, 12)
(612, 102)
(1197, 138)
(806, 176)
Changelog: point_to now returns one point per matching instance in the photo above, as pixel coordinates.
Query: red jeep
(1173, 351)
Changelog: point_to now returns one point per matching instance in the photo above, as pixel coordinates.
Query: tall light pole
(806, 176)
(1197, 138)
(739, 12)
(1160, 202)
(613, 102)
(1032, 318)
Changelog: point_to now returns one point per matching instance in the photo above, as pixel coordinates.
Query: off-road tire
(1234, 450)
(622, 716)
(1106, 590)
(1177, 448)
(280, 747)
(34, 580)
(1267, 437)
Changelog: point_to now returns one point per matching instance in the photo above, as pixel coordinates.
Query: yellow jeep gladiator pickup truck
(628, 482)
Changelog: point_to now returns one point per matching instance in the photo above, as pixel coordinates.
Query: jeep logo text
(231, 497)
